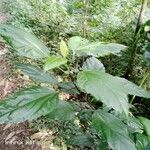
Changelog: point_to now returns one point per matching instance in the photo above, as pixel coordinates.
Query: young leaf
(54, 62)
(64, 111)
(112, 91)
(63, 49)
(93, 64)
(25, 43)
(113, 129)
(37, 74)
(28, 104)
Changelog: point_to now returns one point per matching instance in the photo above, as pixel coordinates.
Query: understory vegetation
(88, 62)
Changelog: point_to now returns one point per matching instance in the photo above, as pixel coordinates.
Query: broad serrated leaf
(37, 74)
(63, 49)
(64, 111)
(24, 42)
(93, 64)
(142, 142)
(113, 129)
(28, 104)
(146, 124)
(112, 91)
(54, 62)
(75, 42)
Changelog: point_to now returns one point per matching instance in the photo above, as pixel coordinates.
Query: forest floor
(12, 137)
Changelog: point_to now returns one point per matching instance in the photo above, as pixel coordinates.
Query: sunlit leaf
(54, 62)
(25, 43)
(112, 91)
(63, 49)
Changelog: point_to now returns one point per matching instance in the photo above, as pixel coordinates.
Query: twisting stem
(142, 82)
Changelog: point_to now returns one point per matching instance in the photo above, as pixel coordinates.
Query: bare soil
(13, 137)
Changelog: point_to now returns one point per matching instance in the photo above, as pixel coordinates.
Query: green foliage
(97, 49)
(113, 129)
(112, 91)
(28, 104)
(24, 42)
(54, 62)
(37, 74)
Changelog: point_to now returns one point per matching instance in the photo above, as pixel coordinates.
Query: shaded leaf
(68, 87)
(142, 142)
(64, 111)
(82, 141)
(93, 64)
(63, 49)
(54, 62)
(28, 104)
(25, 43)
(37, 74)
(113, 129)
(112, 91)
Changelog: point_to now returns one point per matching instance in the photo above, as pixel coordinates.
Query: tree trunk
(135, 40)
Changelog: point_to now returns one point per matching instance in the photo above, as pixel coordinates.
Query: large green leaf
(82, 47)
(93, 64)
(25, 43)
(64, 111)
(54, 62)
(37, 74)
(28, 104)
(111, 90)
(113, 129)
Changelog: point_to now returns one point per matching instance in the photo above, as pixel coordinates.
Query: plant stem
(135, 40)
(85, 17)
(142, 82)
